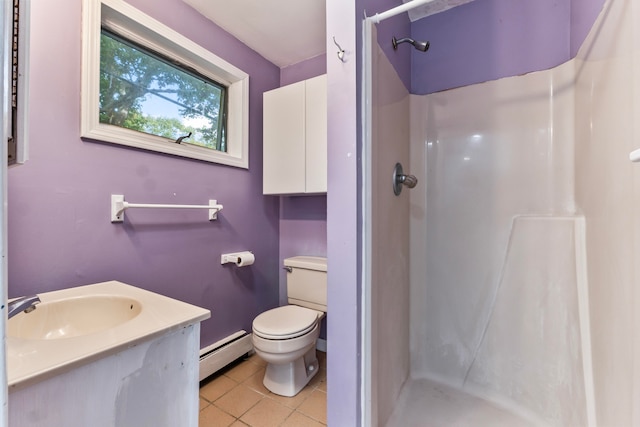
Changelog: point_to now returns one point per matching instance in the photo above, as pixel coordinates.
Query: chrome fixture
(26, 304)
(421, 46)
(400, 179)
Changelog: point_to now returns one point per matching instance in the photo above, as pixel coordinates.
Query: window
(147, 93)
(146, 86)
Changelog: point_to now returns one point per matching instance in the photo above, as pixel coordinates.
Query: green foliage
(129, 77)
(167, 127)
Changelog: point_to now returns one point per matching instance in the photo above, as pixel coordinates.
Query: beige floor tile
(242, 371)
(217, 387)
(292, 402)
(318, 379)
(255, 382)
(267, 413)
(212, 416)
(254, 358)
(239, 400)
(315, 406)
(299, 420)
(238, 392)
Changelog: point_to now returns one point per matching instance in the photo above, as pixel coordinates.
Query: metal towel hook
(400, 179)
(340, 50)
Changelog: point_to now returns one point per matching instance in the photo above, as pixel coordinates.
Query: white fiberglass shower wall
(519, 240)
(498, 296)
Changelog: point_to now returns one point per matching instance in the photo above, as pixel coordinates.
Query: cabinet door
(284, 140)
(316, 135)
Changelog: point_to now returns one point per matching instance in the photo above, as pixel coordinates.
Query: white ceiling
(286, 32)
(283, 31)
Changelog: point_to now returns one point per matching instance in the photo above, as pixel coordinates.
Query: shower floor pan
(425, 403)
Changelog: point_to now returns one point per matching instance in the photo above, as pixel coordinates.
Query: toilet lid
(289, 321)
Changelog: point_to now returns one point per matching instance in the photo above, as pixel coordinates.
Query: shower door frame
(366, 374)
(367, 166)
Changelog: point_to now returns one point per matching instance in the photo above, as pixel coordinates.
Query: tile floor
(236, 397)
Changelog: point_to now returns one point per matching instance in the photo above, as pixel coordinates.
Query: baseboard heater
(221, 353)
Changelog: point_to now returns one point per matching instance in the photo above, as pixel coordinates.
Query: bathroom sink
(73, 317)
(74, 326)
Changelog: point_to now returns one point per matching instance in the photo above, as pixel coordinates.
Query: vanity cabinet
(152, 383)
(295, 138)
(104, 355)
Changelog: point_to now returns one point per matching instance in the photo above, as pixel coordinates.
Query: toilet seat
(286, 322)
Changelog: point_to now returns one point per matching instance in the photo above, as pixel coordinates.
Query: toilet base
(288, 379)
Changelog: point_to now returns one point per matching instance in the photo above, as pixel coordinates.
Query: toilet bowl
(285, 337)
(290, 352)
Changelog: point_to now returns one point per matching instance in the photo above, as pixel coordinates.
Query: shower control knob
(409, 180)
(400, 179)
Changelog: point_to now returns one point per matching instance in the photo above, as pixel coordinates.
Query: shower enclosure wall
(494, 289)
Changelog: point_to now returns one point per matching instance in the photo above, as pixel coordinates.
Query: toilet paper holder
(240, 259)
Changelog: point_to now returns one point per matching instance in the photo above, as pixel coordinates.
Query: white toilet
(285, 337)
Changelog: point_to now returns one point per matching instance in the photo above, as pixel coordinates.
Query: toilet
(285, 337)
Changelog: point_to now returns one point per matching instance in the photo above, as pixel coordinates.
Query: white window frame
(134, 25)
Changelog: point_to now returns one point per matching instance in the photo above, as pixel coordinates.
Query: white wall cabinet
(295, 138)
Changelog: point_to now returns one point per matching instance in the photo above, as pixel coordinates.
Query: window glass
(142, 91)
(147, 86)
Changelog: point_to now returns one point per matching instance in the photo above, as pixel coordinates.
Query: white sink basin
(74, 326)
(73, 317)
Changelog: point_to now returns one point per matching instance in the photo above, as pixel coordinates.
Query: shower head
(421, 46)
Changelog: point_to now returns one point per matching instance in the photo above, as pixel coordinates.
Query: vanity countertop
(34, 359)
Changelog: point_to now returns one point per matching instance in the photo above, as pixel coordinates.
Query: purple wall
(303, 228)
(490, 39)
(59, 230)
(583, 15)
(343, 361)
(306, 69)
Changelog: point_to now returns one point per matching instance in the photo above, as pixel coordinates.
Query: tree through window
(145, 92)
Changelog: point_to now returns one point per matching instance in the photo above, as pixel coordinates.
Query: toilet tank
(307, 281)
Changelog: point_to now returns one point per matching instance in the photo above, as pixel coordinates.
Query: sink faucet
(26, 304)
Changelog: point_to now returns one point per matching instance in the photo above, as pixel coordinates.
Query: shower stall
(478, 281)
